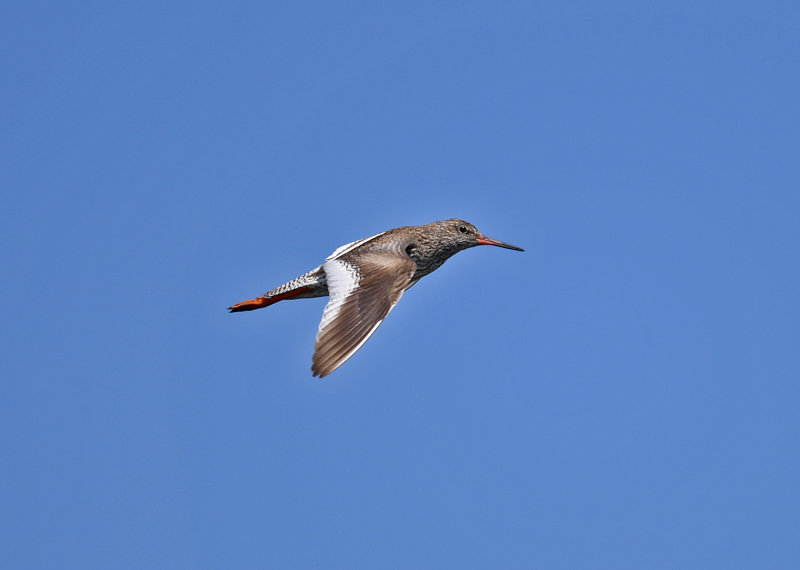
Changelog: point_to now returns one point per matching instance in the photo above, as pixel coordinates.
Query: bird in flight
(366, 278)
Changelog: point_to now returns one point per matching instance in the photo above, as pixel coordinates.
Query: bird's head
(464, 235)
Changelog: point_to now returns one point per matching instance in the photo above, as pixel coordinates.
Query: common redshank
(366, 278)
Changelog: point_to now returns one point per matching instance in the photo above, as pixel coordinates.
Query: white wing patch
(340, 251)
(343, 278)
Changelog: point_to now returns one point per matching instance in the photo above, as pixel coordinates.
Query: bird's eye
(462, 229)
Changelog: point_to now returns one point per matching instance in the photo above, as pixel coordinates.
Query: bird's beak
(484, 240)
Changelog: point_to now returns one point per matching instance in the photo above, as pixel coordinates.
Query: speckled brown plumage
(365, 280)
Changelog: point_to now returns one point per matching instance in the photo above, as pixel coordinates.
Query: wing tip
(317, 373)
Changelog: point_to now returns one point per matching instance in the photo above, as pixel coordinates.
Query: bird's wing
(348, 247)
(363, 288)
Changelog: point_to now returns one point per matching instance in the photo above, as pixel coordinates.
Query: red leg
(261, 302)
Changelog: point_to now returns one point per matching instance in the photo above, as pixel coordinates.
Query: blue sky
(624, 394)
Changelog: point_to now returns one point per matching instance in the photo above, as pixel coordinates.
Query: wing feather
(364, 286)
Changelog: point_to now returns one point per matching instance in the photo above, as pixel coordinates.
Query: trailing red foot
(261, 302)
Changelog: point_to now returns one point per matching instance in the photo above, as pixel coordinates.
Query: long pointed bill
(483, 240)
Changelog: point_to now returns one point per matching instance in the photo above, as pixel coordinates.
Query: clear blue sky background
(624, 394)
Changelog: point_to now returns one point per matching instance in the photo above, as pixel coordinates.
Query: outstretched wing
(363, 288)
